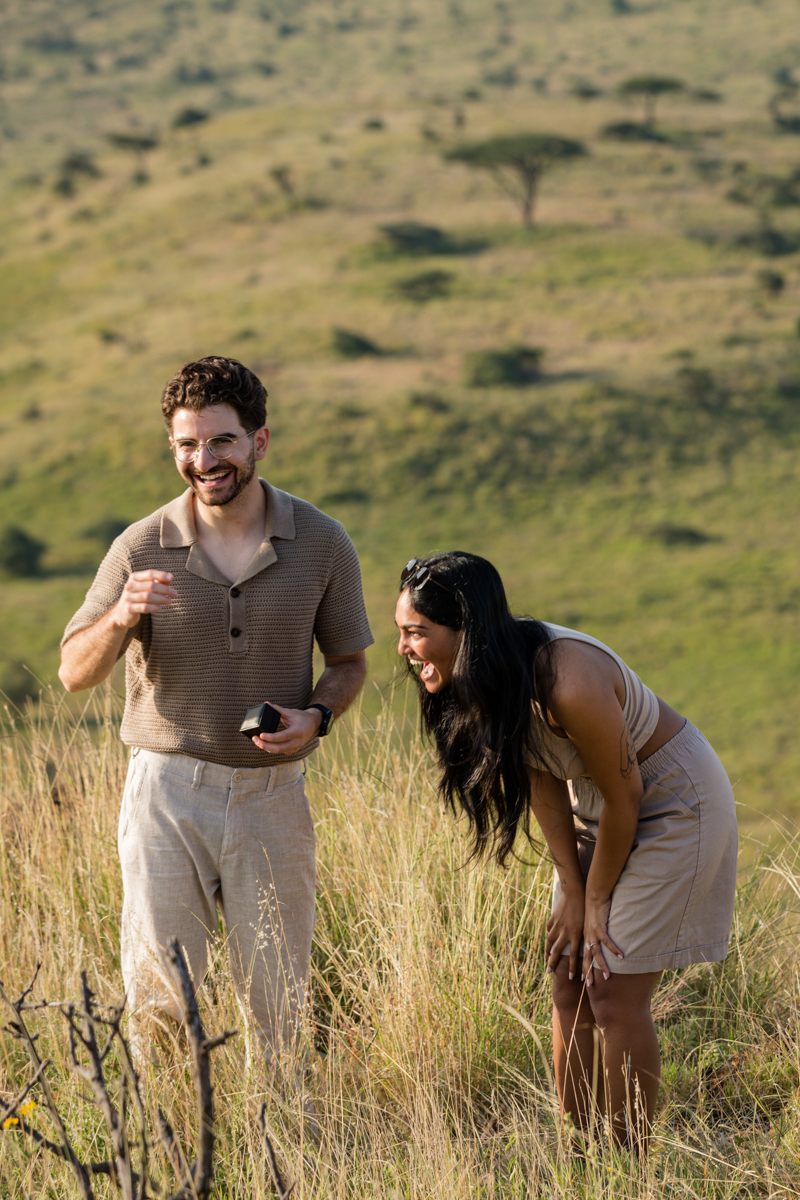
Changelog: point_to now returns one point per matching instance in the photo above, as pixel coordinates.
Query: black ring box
(260, 718)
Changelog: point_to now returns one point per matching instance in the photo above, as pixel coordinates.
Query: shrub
(430, 402)
(426, 286)
(20, 554)
(79, 162)
(517, 366)
(706, 95)
(681, 535)
(107, 529)
(771, 282)
(283, 179)
(190, 116)
(506, 77)
(191, 74)
(631, 131)
(585, 91)
(352, 345)
(374, 123)
(410, 237)
(770, 242)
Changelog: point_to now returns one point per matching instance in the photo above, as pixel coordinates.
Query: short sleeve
(341, 625)
(104, 592)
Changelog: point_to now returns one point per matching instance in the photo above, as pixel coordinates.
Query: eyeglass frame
(174, 446)
(419, 577)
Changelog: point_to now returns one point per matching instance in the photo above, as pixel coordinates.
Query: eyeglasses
(416, 574)
(185, 450)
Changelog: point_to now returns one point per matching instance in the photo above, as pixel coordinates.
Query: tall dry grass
(427, 1037)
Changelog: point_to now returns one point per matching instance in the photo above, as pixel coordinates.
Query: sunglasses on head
(416, 574)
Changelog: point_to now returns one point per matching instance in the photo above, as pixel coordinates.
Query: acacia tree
(518, 163)
(648, 88)
(138, 144)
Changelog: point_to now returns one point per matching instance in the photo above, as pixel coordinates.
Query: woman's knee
(621, 1000)
(568, 994)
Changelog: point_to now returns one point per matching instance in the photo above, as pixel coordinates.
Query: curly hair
(481, 723)
(216, 380)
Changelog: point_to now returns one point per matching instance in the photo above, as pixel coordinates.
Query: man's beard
(241, 478)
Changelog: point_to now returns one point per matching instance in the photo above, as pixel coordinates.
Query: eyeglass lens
(220, 447)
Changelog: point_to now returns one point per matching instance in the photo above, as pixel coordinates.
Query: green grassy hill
(644, 487)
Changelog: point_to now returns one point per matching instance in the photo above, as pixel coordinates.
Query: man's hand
(298, 726)
(88, 657)
(144, 592)
(337, 687)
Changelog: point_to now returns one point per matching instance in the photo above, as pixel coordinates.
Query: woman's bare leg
(631, 1056)
(577, 1049)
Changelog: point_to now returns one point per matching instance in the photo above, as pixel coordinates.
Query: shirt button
(234, 592)
(237, 777)
(235, 632)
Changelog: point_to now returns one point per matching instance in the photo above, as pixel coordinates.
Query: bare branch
(21, 1033)
(87, 1056)
(93, 1074)
(176, 1158)
(201, 1071)
(220, 1039)
(283, 1192)
(10, 1110)
(94, 1168)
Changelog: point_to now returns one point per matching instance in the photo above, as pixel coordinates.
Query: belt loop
(270, 788)
(198, 774)
(305, 760)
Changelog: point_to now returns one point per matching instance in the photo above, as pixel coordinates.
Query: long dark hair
(482, 721)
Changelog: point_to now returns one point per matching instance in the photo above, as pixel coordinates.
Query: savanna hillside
(189, 177)
(200, 176)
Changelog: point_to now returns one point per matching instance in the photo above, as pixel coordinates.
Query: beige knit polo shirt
(194, 667)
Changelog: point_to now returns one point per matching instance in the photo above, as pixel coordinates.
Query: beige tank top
(640, 711)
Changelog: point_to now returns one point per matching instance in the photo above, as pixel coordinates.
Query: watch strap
(327, 718)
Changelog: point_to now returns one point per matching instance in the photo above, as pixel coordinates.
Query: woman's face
(422, 641)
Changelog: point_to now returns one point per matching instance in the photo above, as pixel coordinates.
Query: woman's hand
(595, 937)
(565, 927)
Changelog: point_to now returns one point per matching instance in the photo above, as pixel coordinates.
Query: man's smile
(211, 478)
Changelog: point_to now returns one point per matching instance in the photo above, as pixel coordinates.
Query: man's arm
(337, 688)
(89, 656)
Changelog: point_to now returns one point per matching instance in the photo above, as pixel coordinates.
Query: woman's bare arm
(551, 806)
(587, 701)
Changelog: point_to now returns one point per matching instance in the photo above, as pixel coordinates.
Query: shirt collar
(178, 529)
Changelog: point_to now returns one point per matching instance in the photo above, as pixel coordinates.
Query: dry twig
(283, 1192)
(92, 1037)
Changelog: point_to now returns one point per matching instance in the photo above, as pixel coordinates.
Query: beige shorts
(673, 902)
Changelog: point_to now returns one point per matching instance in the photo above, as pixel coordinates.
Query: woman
(634, 805)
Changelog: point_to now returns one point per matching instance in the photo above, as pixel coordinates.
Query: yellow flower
(26, 1109)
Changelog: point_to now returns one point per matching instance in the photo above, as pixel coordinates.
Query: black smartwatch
(327, 718)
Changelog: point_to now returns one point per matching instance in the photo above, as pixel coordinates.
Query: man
(216, 600)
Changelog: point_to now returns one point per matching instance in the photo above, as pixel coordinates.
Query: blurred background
(520, 278)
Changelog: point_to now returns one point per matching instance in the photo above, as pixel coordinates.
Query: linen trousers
(196, 837)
